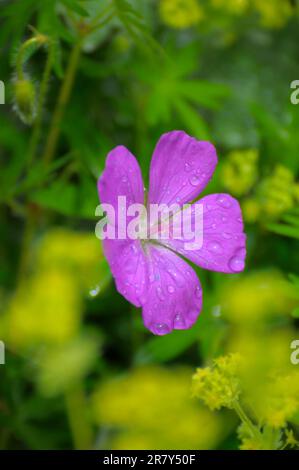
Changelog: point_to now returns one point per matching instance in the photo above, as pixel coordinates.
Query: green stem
(62, 101)
(41, 101)
(78, 420)
(36, 40)
(246, 420)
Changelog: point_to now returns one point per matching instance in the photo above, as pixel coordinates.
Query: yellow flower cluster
(248, 300)
(277, 192)
(274, 13)
(271, 396)
(181, 13)
(46, 307)
(239, 171)
(218, 386)
(145, 406)
(185, 13)
(274, 195)
(282, 402)
(236, 7)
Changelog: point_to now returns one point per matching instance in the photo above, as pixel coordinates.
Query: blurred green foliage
(82, 77)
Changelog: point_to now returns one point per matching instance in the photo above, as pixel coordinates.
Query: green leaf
(286, 230)
(192, 120)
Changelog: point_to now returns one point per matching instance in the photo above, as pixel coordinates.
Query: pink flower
(152, 274)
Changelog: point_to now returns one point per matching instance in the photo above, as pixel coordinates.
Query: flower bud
(25, 100)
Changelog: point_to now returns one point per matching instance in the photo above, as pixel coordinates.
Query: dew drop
(214, 247)
(160, 294)
(223, 201)
(94, 292)
(236, 264)
(194, 180)
(124, 179)
(187, 167)
(198, 292)
(178, 322)
(227, 235)
(161, 329)
(171, 289)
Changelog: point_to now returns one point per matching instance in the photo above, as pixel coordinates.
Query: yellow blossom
(181, 13)
(249, 299)
(45, 308)
(276, 192)
(145, 405)
(239, 171)
(274, 13)
(218, 386)
(237, 7)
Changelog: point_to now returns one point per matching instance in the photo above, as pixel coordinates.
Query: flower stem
(78, 420)
(41, 100)
(62, 101)
(245, 419)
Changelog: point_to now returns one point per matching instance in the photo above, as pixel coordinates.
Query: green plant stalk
(78, 420)
(62, 101)
(39, 39)
(246, 420)
(41, 101)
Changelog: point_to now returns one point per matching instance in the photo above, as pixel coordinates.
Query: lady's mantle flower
(147, 272)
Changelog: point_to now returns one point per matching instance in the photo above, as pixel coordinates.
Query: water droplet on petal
(124, 179)
(179, 322)
(237, 264)
(161, 329)
(194, 180)
(171, 289)
(224, 201)
(198, 292)
(215, 247)
(187, 167)
(160, 294)
(227, 235)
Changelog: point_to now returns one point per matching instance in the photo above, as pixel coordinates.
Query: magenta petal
(174, 298)
(129, 269)
(224, 242)
(121, 177)
(180, 169)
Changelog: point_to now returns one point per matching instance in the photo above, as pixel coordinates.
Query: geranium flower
(152, 274)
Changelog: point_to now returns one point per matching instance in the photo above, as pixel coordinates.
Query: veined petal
(129, 268)
(224, 241)
(121, 177)
(181, 167)
(174, 298)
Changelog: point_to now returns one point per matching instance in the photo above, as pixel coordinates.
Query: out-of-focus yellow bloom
(274, 13)
(80, 253)
(218, 386)
(266, 358)
(146, 405)
(276, 193)
(236, 7)
(181, 13)
(239, 171)
(62, 367)
(251, 210)
(249, 300)
(282, 400)
(45, 309)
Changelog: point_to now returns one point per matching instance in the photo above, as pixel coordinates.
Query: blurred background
(81, 77)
